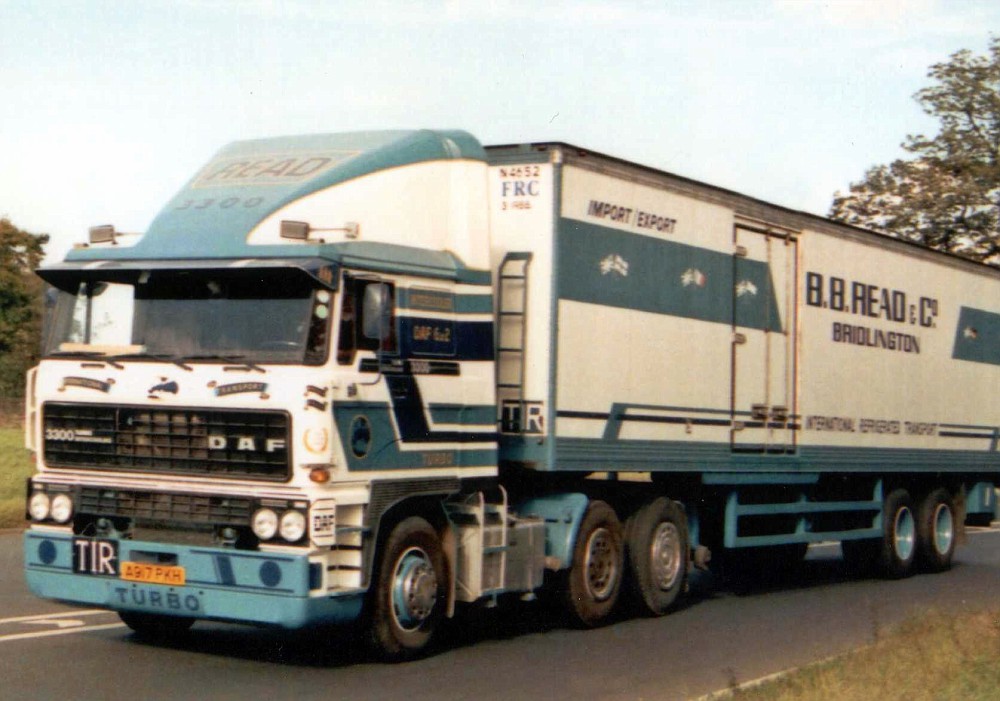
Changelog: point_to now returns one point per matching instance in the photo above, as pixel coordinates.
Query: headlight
(62, 508)
(38, 506)
(265, 524)
(293, 526)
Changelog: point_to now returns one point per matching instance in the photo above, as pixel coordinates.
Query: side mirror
(376, 311)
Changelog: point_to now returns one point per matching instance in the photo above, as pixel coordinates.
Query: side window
(102, 314)
(318, 328)
(367, 314)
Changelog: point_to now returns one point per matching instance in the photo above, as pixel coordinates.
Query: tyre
(594, 579)
(898, 547)
(937, 530)
(408, 601)
(656, 538)
(155, 626)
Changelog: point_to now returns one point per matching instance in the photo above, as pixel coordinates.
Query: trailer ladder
(512, 318)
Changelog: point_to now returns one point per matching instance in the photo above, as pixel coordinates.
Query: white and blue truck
(379, 376)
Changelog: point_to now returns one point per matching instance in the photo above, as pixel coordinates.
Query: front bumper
(257, 588)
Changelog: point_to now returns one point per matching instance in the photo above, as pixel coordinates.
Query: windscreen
(264, 316)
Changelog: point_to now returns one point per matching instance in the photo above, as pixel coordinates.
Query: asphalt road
(51, 651)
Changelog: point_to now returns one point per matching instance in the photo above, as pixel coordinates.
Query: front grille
(165, 508)
(219, 443)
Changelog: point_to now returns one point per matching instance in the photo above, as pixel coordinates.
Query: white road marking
(57, 622)
(61, 631)
(46, 616)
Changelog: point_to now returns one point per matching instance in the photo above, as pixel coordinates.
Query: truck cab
(234, 408)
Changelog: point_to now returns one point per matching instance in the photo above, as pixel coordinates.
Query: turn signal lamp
(319, 475)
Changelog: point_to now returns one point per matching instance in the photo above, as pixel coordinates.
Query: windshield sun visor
(68, 275)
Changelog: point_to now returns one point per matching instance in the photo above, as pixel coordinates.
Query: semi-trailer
(378, 376)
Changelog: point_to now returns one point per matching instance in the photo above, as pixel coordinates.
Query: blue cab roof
(246, 181)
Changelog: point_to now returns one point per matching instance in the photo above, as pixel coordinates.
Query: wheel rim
(600, 565)
(944, 529)
(904, 533)
(414, 589)
(665, 555)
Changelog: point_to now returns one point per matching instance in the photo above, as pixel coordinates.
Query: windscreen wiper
(237, 360)
(152, 356)
(101, 355)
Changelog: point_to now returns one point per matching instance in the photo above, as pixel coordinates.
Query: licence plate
(153, 574)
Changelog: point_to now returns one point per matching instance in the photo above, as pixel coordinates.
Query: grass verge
(15, 468)
(940, 656)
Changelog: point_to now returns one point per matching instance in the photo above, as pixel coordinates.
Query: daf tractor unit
(380, 376)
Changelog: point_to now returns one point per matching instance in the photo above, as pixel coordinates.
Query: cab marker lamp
(264, 523)
(38, 506)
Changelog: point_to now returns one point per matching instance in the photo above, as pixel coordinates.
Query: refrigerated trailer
(380, 376)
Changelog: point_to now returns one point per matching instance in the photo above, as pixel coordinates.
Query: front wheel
(595, 576)
(408, 600)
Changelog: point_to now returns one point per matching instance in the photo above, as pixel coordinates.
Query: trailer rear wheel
(595, 576)
(936, 530)
(899, 541)
(408, 599)
(657, 545)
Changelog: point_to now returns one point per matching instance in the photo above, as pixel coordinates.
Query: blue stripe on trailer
(664, 277)
(595, 454)
(977, 337)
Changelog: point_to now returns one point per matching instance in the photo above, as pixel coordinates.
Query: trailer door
(763, 351)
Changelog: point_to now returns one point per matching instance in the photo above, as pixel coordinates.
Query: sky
(107, 108)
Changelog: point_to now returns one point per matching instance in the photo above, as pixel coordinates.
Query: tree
(20, 304)
(948, 195)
